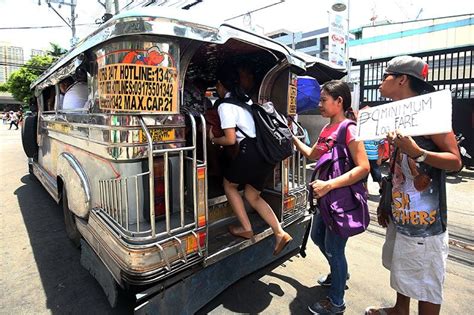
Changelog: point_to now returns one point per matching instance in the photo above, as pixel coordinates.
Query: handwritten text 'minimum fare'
(420, 115)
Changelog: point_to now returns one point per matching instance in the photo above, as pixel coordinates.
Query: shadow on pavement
(373, 197)
(462, 177)
(69, 288)
(259, 297)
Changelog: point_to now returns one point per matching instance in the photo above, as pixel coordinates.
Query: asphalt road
(40, 272)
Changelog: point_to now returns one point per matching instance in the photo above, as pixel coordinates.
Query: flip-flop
(234, 230)
(284, 241)
(381, 311)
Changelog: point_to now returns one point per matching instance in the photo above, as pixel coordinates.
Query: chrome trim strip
(80, 172)
(151, 176)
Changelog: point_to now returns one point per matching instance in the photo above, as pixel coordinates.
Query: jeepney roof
(170, 22)
(162, 21)
(320, 69)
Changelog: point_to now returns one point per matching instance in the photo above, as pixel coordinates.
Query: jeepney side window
(74, 92)
(49, 96)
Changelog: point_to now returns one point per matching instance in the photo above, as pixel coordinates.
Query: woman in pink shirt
(335, 104)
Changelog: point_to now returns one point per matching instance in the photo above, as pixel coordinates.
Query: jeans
(375, 171)
(332, 246)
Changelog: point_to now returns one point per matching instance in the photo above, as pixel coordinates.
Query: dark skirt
(248, 167)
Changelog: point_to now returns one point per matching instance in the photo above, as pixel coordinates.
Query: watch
(422, 157)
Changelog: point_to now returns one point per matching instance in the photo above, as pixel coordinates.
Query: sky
(293, 15)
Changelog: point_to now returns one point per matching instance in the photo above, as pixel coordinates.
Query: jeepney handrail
(151, 175)
(195, 200)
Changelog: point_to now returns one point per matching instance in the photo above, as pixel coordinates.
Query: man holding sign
(416, 244)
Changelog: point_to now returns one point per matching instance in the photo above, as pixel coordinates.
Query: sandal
(284, 241)
(239, 232)
(380, 311)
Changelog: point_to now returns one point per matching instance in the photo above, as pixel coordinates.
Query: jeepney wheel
(70, 221)
(28, 136)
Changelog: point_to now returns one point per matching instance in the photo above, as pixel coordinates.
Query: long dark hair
(338, 88)
(228, 75)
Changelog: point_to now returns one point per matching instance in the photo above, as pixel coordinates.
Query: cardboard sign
(426, 114)
(138, 88)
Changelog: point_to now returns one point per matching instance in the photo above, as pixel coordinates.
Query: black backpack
(274, 137)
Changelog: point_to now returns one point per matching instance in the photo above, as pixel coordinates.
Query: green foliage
(56, 51)
(4, 87)
(19, 81)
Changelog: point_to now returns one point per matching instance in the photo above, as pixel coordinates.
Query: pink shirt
(328, 136)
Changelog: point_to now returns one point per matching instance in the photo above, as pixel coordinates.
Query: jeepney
(130, 167)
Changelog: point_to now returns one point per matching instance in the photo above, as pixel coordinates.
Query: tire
(28, 136)
(70, 222)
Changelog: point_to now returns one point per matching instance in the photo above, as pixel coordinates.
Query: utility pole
(72, 21)
(111, 8)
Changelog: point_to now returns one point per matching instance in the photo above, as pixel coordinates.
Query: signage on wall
(337, 39)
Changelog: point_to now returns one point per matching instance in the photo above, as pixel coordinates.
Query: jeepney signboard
(138, 88)
(292, 92)
(159, 135)
(415, 116)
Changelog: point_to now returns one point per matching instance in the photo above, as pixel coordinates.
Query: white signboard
(337, 39)
(415, 116)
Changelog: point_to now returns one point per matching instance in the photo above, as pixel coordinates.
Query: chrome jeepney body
(131, 165)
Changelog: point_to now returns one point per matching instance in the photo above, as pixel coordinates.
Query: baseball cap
(412, 66)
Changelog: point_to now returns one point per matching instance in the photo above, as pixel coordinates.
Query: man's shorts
(417, 264)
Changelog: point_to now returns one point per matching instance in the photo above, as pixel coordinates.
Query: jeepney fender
(77, 184)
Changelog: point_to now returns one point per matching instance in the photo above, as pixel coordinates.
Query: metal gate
(449, 69)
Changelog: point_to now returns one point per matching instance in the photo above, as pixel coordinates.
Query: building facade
(314, 43)
(38, 52)
(11, 59)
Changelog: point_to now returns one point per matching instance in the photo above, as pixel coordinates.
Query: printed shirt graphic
(416, 207)
(328, 136)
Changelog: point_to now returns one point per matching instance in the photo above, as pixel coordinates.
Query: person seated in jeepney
(247, 78)
(74, 94)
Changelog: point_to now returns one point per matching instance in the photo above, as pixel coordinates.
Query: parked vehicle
(130, 167)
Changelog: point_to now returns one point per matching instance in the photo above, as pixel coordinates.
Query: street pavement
(40, 272)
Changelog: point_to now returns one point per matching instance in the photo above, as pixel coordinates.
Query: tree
(4, 87)
(19, 81)
(56, 51)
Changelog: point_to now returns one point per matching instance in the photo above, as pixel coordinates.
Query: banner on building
(415, 116)
(338, 34)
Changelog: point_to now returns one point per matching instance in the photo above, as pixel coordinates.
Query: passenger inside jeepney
(247, 78)
(49, 96)
(74, 94)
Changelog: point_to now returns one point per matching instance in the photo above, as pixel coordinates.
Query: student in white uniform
(248, 168)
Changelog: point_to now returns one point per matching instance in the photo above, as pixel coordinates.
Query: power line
(20, 65)
(42, 27)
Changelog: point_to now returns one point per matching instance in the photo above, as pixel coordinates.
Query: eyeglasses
(386, 75)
